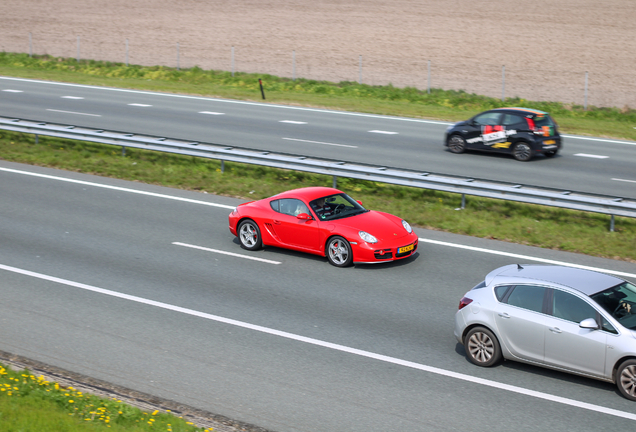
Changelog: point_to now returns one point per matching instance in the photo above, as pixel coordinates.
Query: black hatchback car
(523, 132)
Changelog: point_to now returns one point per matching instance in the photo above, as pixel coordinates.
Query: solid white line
(211, 113)
(591, 156)
(139, 105)
(600, 139)
(623, 180)
(72, 97)
(455, 245)
(292, 122)
(527, 257)
(226, 253)
(319, 142)
(264, 105)
(72, 112)
(384, 132)
(13, 91)
(333, 346)
(121, 189)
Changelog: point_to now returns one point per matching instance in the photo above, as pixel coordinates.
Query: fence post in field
(503, 82)
(585, 103)
(429, 77)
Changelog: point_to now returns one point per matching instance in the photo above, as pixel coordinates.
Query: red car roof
(309, 193)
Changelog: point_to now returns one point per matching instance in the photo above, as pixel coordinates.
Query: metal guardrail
(614, 206)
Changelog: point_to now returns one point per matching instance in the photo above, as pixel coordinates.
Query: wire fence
(599, 87)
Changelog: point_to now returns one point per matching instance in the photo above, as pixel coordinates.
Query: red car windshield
(335, 207)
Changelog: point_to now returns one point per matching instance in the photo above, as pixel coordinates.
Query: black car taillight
(465, 301)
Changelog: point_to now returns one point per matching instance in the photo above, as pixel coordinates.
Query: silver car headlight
(406, 226)
(367, 237)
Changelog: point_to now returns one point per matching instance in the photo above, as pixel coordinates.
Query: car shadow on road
(548, 373)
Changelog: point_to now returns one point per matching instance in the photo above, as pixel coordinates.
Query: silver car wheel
(457, 144)
(249, 235)
(482, 347)
(626, 380)
(522, 152)
(339, 252)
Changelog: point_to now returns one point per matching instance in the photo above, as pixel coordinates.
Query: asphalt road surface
(144, 287)
(586, 164)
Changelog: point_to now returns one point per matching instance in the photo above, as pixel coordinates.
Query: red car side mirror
(303, 216)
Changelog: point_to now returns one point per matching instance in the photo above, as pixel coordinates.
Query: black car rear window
(541, 120)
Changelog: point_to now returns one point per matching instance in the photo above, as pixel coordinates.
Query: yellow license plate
(405, 248)
(548, 142)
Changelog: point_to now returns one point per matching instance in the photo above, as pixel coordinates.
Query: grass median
(34, 404)
(546, 227)
(534, 225)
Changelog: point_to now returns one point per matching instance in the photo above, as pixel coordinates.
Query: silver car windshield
(620, 302)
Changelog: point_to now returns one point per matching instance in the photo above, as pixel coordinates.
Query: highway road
(586, 164)
(144, 286)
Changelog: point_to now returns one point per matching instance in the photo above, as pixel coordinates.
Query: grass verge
(33, 404)
(388, 100)
(547, 227)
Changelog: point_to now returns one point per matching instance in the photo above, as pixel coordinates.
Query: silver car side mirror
(589, 323)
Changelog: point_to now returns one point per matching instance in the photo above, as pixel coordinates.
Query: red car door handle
(277, 222)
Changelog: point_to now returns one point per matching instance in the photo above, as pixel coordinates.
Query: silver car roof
(586, 281)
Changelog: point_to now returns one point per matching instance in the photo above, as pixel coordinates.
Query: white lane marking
(73, 112)
(332, 346)
(72, 97)
(527, 257)
(319, 142)
(226, 253)
(599, 139)
(292, 122)
(121, 189)
(263, 105)
(455, 245)
(591, 156)
(211, 113)
(12, 91)
(139, 105)
(384, 132)
(623, 180)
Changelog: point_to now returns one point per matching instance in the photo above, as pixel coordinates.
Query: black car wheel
(249, 235)
(626, 379)
(457, 144)
(522, 152)
(482, 347)
(339, 252)
(550, 153)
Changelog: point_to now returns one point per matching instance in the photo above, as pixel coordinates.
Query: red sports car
(323, 221)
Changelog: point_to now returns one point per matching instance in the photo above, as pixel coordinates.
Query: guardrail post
(36, 138)
(612, 224)
(335, 182)
(463, 203)
(222, 166)
(123, 151)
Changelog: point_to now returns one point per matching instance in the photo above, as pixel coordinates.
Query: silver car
(573, 320)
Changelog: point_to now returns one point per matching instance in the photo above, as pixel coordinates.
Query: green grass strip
(388, 100)
(33, 404)
(547, 227)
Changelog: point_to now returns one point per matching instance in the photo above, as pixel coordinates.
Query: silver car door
(569, 346)
(521, 322)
